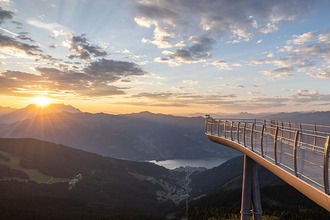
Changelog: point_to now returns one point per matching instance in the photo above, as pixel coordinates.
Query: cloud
(84, 50)
(5, 15)
(158, 96)
(24, 36)
(113, 70)
(161, 99)
(304, 95)
(15, 82)
(224, 65)
(55, 28)
(323, 37)
(308, 53)
(321, 73)
(240, 19)
(179, 99)
(268, 28)
(197, 51)
(17, 23)
(281, 72)
(255, 101)
(310, 96)
(302, 39)
(232, 86)
(97, 79)
(221, 64)
(173, 21)
(167, 60)
(13, 46)
(162, 37)
(129, 54)
(190, 82)
(24, 48)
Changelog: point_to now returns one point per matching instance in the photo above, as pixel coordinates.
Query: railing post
(231, 129)
(238, 123)
(289, 131)
(300, 133)
(206, 123)
(218, 128)
(212, 127)
(295, 153)
(252, 130)
(282, 132)
(275, 145)
(262, 140)
(326, 166)
(244, 132)
(224, 128)
(314, 137)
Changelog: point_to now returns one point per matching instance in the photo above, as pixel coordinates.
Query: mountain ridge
(136, 137)
(33, 110)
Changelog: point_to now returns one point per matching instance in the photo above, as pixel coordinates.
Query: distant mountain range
(10, 115)
(312, 117)
(320, 118)
(140, 136)
(6, 110)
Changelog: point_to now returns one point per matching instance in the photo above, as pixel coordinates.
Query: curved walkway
(297, 153)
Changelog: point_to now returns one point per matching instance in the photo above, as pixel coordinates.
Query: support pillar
(250, 191)
(256, 201)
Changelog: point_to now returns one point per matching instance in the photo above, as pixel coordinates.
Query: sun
(41, 101)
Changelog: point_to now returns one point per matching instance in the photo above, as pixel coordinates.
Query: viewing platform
(297, 153)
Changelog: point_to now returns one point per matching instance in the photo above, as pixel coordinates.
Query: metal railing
(301, 149)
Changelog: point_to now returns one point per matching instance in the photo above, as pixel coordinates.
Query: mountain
(5, 110)
(138, 136)
(42, 180)
(141, 136)
(320, 118)
(32, 110)
(227, 176)
(241, 115)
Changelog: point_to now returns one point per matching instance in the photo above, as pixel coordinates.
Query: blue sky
(179, 57)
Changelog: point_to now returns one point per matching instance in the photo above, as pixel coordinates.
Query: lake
(204, 162)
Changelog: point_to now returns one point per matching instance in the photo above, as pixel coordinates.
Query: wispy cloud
(54, 28)
(308, 53)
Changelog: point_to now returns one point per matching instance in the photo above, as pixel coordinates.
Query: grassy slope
(107, 187)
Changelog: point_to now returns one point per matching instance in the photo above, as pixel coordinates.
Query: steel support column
(250, 191)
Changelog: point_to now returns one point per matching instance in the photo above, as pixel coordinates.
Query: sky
(178, 57)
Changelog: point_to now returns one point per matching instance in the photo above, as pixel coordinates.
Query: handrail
(289, 140)
(326, 166)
